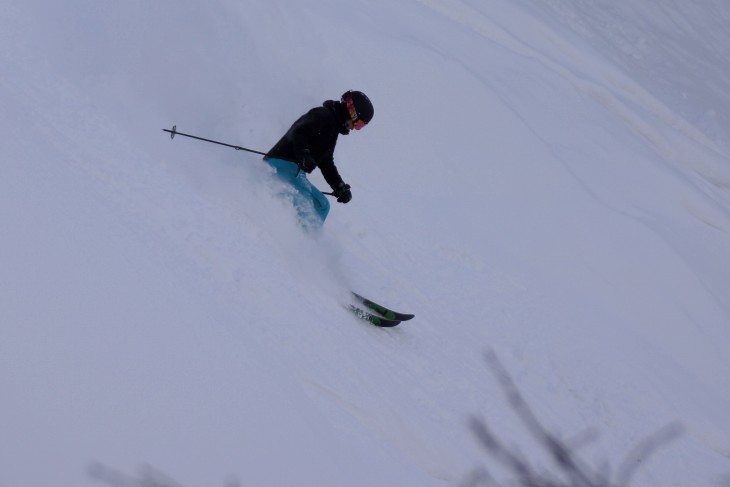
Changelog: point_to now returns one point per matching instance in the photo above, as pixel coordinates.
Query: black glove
(307, 163)
(343, 193)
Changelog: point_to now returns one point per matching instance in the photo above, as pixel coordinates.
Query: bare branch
(148, 477)
(560, 453)
(572, 470)
(645, 449)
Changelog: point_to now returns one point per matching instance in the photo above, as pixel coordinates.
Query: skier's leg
(312, 206)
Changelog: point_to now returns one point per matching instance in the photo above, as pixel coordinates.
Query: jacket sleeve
(330, 173)
(315, 131)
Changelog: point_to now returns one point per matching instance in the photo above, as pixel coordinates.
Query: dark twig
(574, 472)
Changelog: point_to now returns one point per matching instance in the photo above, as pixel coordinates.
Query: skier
(310, 143)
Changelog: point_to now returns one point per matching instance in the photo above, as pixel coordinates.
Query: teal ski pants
(311, 205)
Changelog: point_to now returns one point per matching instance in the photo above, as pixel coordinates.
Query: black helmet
(361, 105)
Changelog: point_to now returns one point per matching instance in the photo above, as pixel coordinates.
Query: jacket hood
(340, 113)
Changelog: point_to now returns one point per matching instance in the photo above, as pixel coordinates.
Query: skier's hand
(307, 163)
(343, 193)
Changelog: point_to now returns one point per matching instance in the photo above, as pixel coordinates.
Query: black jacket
(316, 131)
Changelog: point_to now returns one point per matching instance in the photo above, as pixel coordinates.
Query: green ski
(382, 310)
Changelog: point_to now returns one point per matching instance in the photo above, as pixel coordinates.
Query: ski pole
(174, 132)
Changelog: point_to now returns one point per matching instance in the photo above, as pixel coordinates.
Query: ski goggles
(357, 124)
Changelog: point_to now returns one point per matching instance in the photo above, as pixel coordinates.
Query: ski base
(373, 319)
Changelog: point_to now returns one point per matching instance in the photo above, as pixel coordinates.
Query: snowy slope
(548, 179)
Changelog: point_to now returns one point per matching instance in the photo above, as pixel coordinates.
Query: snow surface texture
(547, 179)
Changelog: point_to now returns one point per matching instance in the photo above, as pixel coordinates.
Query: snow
(545, 179)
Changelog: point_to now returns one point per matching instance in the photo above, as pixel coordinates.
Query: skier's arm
(329, 171)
